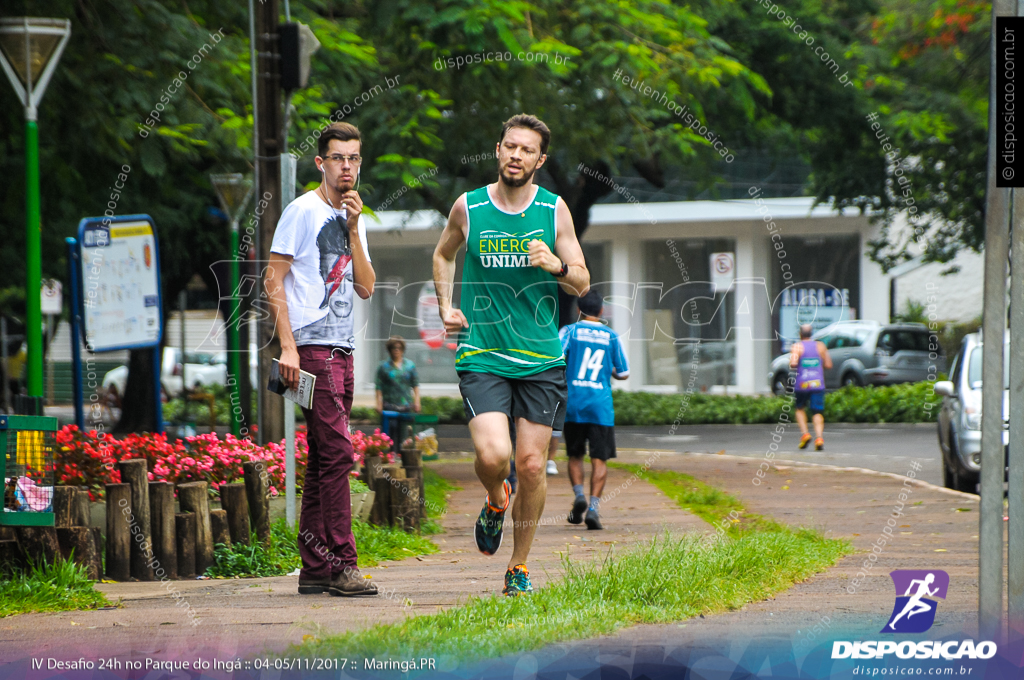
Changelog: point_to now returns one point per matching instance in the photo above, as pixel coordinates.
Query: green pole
(233, 363)
(33, 263)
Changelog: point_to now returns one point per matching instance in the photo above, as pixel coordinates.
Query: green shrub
(364, 413)
(447, 409)
(906, 403)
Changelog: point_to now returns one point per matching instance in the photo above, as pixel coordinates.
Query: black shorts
(601, 438)
(813, 399)
(540, 398)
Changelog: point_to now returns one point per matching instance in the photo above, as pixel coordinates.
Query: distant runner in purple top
(810, 359)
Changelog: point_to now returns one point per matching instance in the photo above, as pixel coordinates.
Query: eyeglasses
(354, 159)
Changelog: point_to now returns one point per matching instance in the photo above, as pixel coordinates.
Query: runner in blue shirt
(593, 356)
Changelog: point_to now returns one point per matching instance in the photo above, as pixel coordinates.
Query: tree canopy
(422, 82)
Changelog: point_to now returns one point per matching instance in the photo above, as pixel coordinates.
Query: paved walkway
(243, 617)
(939, 530)
(250, 616)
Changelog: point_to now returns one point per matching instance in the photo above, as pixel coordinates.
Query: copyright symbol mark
(1007, 173)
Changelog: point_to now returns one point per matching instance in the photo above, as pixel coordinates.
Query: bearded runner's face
(519, 156)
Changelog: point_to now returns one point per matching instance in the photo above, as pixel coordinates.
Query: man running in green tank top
(520, 246)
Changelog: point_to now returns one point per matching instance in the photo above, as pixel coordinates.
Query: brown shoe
(313, 586)
(350, 583)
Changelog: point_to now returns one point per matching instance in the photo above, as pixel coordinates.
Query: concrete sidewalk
(252, 616)
(938, 530)
(246, 617)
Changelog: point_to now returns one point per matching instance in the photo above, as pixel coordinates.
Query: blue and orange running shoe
(517, 581)
(488, 527)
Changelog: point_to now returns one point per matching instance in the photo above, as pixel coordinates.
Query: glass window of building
(825, 269)
(681, 309)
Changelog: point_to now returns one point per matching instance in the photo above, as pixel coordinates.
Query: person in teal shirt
(398, 386)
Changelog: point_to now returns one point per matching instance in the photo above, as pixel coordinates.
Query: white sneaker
(552, 468)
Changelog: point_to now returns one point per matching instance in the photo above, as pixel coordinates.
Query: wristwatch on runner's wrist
(563, 271)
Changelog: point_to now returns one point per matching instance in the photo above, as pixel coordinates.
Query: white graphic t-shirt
(318, 286)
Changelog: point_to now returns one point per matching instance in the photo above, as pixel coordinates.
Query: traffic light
(297, 45)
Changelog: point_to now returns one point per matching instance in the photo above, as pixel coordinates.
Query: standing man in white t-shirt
(318, 257)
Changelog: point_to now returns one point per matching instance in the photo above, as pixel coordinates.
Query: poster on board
(820, 307)
(121, 306)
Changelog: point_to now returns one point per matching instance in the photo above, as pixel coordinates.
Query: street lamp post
(29, 51)
(234, 192)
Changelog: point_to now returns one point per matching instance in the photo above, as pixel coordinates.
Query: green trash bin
(29, 444)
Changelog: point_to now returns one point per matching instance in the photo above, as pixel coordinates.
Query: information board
(121, 306)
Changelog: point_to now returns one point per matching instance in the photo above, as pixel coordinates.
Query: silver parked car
(869, 353)
(959, 421)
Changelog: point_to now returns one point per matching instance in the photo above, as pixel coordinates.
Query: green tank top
(511, 307)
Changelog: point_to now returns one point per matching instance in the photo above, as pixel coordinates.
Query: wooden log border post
(257, 483)
(165, 551)
(232, 499)
(195, 498)
(134, 472)
(119, 497)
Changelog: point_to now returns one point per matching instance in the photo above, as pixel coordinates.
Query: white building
(649, 261)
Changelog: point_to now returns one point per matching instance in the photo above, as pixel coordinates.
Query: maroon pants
(326, 544)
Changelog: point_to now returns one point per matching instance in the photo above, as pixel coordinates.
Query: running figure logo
(914, 612)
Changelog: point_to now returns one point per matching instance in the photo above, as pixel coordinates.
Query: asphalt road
(885, 447)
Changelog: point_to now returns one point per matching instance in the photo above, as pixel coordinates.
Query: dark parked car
(869, 353)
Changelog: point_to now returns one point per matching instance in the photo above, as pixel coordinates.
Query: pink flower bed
(90, 458)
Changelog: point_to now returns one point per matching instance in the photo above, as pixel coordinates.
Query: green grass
(278, 557)
(436, 490)
(379, 544)
(710, 504)
(43, 587)
(281, 554)
(666, 579)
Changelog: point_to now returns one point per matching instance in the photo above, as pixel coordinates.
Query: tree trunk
(268, 103)
(137, 413)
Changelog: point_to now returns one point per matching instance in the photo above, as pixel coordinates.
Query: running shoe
(517, 581)
(579, 506)
(804, 441)
(593, 521)
(819, 444)
(552, 468)
(488, 527)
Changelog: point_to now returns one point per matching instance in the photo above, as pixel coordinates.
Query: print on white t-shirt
(318, 286)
